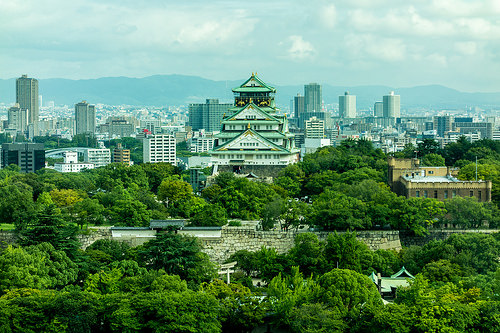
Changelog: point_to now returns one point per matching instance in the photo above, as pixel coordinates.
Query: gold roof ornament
(248, 126)
(250, 101)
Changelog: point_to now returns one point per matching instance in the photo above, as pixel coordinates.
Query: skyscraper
(347, 106)
(27, 97)
(84, 118)
(207, 116)
(378, 109)
(18, 118)
(298, 106)
(312, 97)
(392, 105)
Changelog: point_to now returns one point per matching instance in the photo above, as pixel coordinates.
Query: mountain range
(170, 90)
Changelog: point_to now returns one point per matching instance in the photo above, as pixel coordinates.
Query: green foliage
(239, 310)
(469, 213)
(336, 211)
(348, 292)
(177, 255)
(39, 266)
(49, 226)
(432, 159)
(210, 215)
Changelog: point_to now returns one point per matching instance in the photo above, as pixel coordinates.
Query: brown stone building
(407, 178)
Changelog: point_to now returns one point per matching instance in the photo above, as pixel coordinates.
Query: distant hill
(164, 90)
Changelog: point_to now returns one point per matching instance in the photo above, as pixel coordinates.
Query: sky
(455, 43)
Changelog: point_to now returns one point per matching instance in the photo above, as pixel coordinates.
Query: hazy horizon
(341, 43)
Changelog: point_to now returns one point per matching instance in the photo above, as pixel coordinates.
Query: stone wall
(7, 237)
(234, 239)
(93, 235)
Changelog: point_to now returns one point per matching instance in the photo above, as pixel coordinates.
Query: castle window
(446, 194)
(425, 194)
(471, 193)
(435, 194)
(417, 194)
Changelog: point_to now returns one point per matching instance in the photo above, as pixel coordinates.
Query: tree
(271, 213)
(291, 178)
(469, 213)
(88, 211)
(39, 266)
(239, 310)
(336, 211)
(173, 191)
(210, 215)
(346, 252)
(428, 146)
(432, 160)
(348, 292)
(176, 255)
(307, 253)
(49, 226)
(17, 203)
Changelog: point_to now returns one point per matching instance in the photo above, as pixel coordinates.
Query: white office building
(159, 148)
(71, 163)
(98, 156)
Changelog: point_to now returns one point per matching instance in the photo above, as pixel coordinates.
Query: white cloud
(466, 48)
(300, 49)
(328, 15)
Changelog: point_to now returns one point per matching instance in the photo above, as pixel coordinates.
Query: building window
(425, 194)
(417, 194)
(479, 195)
(471, 193)
(446, 194)
(453, 193)
(435, 194)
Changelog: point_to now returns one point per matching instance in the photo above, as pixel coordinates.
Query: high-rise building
(312, 97)
(159, 148)
(392, 105)
(378, 109)
(27, 97)
(18, 118)
(442, 124)
(347, 106)
(298, 106)
(254, 136)
(84, 118)
(315, 128)
(207, 116)
(30, 157)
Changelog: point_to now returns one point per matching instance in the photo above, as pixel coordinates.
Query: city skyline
(451, 43)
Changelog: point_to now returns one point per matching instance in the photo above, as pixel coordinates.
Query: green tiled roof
(261, 87)
(257, 108)
(272, 144)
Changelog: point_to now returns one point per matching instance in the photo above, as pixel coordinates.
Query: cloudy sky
(344, 42)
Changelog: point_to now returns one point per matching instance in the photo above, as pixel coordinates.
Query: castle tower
(254, 137)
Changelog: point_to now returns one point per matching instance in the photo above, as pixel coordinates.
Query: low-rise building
(71, 163)
(407, 178)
